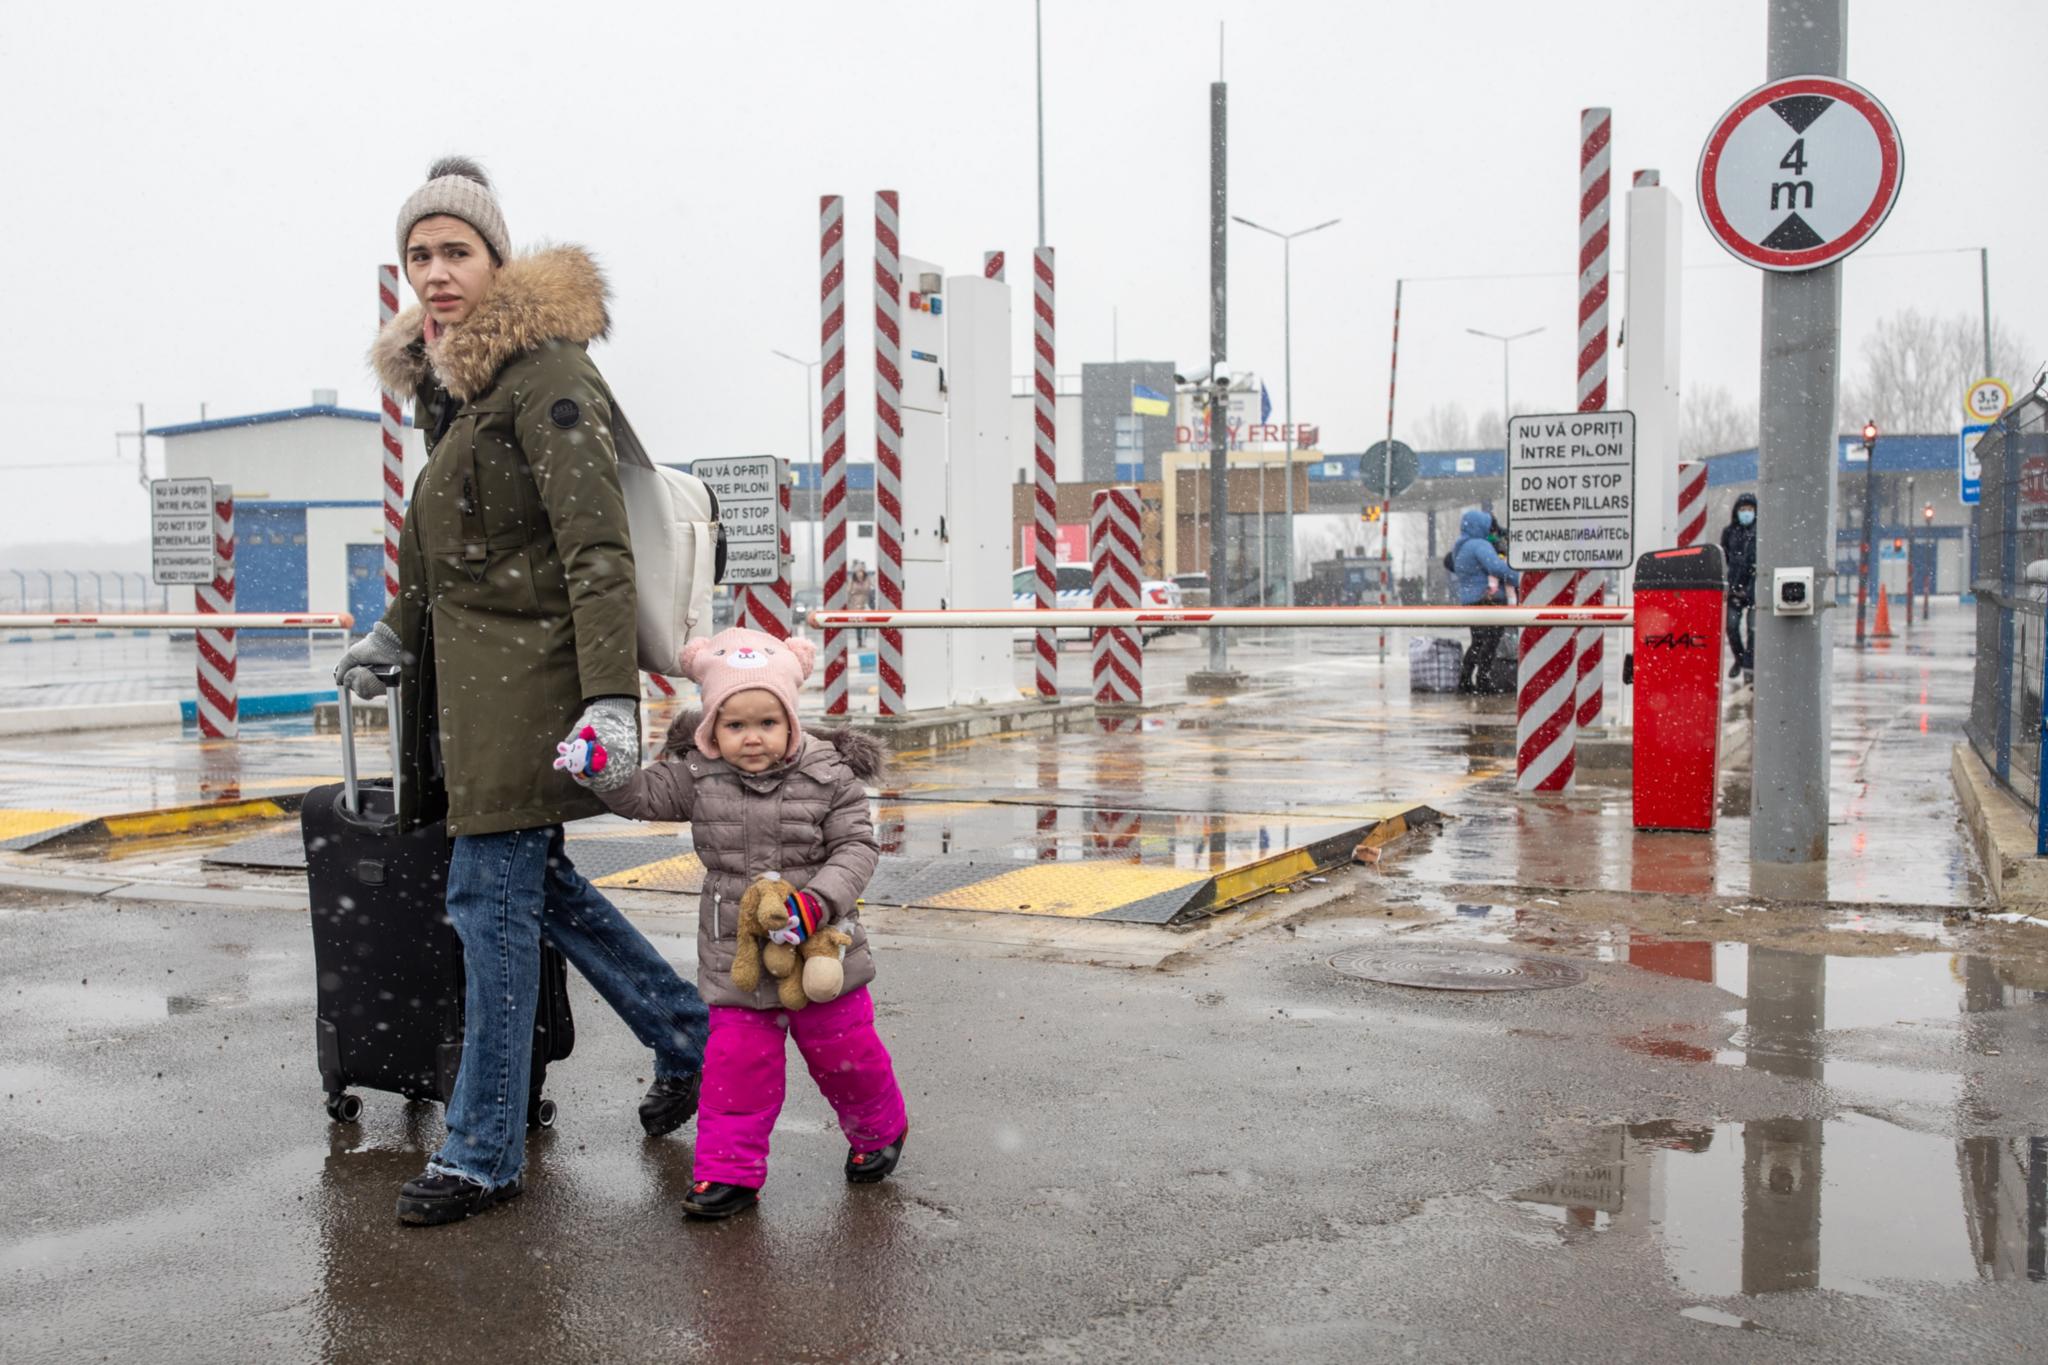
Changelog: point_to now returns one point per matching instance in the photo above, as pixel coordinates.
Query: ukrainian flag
(1146, 403)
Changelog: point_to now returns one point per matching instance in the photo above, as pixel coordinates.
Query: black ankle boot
(433, 1198)
(865, 1168)
(669, 1104)
(716, 1199)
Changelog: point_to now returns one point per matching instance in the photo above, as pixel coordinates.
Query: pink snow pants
(743, 1082)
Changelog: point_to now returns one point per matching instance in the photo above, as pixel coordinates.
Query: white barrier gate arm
(247, 620)
(1011, 618)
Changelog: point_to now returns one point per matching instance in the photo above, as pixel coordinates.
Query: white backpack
(678, 550)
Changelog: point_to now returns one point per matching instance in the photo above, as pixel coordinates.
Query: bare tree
(1443, 427)
(1916, 366)
(1711, 422)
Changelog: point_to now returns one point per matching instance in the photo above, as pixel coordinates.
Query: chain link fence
(2011, 585)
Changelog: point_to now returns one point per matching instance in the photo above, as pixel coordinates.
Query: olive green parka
(516, 603)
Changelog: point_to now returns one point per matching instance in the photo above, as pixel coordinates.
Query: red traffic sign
(1800, 172)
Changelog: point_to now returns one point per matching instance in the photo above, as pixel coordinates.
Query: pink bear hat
(736, 660)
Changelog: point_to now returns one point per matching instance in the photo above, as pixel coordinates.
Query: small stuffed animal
(806, 971)
(585, 755)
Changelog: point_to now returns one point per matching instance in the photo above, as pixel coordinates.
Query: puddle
(1853, 1204)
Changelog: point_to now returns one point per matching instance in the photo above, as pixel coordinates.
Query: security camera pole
(1218, 678)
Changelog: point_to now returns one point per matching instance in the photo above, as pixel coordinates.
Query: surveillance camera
(1221, 377)
(1792, 592)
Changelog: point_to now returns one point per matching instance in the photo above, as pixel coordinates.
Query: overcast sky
(200, 193)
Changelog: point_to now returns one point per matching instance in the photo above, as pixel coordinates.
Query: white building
(309, 519)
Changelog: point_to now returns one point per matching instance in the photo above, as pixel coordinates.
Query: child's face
(752, 731)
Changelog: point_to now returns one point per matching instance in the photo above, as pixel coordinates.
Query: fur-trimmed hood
(861, 752)
(554, 294)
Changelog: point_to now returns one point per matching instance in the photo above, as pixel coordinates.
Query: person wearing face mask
(1738, 547)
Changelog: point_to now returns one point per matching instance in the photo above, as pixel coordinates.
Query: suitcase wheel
(541, 1114)
(344, 1107)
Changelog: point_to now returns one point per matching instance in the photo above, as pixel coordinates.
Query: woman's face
(449, 267)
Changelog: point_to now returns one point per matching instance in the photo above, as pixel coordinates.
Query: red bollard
(1676, 669)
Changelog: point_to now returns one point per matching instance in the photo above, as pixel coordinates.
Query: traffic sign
(1800, 172)
(749, 489)
(1571, 491)
(1986, 400)
(1372, 466)
(1969, 472)
(181, 530)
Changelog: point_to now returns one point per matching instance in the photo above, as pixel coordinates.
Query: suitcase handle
(389, 675)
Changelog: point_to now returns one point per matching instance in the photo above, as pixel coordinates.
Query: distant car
(1194, 589)
(1074, 586)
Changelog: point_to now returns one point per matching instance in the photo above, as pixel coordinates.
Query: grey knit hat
(457, 186)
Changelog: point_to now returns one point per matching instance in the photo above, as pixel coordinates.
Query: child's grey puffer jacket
(805, 821)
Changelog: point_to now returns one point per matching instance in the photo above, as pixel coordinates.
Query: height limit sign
(1571, 491)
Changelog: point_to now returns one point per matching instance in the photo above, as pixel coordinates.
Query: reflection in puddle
(1846, 1203)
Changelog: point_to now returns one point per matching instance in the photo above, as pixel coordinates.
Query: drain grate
(1456, 969)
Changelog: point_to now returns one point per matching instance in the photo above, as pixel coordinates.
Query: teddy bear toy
(804, 972)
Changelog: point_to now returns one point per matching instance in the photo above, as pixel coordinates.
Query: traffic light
(1370, 512)
(1927, 514)
(1870, 433)
(1898, 543)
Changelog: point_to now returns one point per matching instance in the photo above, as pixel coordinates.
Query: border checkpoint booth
(956, 472)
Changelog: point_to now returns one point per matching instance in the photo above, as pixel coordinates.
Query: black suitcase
(388, 961)
(1500, 680)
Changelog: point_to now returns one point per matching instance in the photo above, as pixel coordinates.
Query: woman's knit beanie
(457, 186)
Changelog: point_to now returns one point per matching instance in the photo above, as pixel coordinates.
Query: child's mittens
(583, 756)
(806, 917)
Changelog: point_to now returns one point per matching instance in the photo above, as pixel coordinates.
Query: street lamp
(1505, 342)
(1866, 585)
(811, 449)
(1287, 375)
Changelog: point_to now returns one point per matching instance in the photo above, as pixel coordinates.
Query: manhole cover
(1456, 969)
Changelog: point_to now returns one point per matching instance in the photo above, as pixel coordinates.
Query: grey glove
(380, 646)
(613, 722)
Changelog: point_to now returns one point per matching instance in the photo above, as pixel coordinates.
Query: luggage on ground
(1433, 664)
(387, 959)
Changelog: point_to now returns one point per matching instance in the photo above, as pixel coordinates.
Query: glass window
(1075, 578)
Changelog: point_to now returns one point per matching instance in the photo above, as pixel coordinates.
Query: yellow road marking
(676, 870)
(1070, 890)
(180, 819)
(16, 823)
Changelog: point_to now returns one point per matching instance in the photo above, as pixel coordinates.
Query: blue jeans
(506, 893)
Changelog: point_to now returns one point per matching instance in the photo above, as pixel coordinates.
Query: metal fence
(2007, 716)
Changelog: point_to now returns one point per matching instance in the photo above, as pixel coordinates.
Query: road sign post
(1970, 473)
(755, 515)
(1986, 400)
(1571, 491)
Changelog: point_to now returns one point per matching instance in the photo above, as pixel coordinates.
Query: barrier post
(889, 446)
(219, 702)
(391, 426)
(1596, 130)
(992, 266)
(768, 607)
(1045, 521)
(1692, 502)
(1117, 656)
(832, 430)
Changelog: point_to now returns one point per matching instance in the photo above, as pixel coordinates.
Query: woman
(1481, 575)
(860, 596)
(515, 626)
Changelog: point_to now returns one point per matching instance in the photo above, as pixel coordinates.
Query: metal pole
(1866, 583)
(1984, 278)
(1219, 398)
(1287, 414)
(1038, 37)
(1912, 522)
(811, 450)
(1802, 346)
(1387, 472)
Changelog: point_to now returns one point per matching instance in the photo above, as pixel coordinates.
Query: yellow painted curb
(1068, 890)
(14, 824)
(183, 819)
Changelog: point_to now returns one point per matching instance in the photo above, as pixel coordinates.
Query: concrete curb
(51, 720)
(108, 829)
(1999, 828)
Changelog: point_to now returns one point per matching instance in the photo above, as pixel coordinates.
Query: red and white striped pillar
(1554, 688)
(1692, 502)
(392, 425)
(770, 607)
(889, 446)
(1596, 128)
(1118, 657)
(1045, 548)
(832, 431)
(992, 265)
(219, 704)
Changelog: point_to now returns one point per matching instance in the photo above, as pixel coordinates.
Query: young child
(764, 799)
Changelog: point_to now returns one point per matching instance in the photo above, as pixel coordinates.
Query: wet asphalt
(1813, 1146)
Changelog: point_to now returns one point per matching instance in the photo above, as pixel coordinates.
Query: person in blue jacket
(1482, 577)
